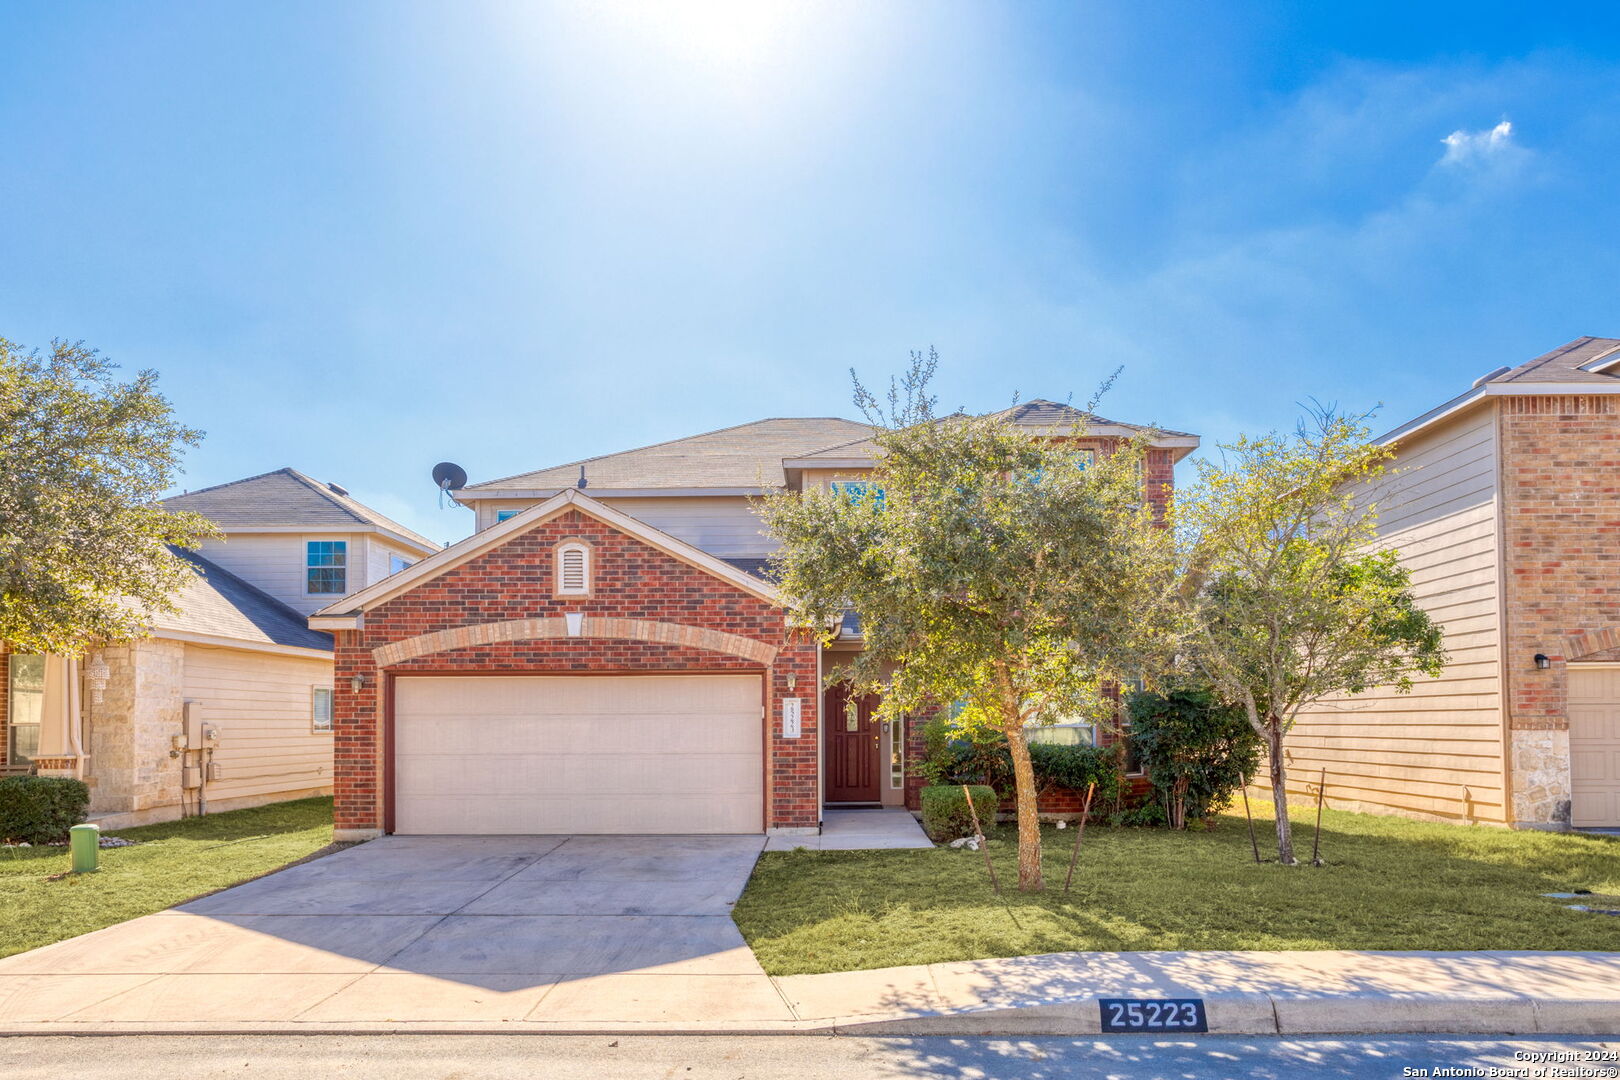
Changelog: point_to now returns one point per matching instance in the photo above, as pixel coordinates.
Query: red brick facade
(631, 581)
(1560, 461)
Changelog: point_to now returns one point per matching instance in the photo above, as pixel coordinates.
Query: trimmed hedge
(945, 813)
(41, 809)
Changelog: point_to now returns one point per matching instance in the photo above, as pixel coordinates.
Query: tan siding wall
(261, 704)
(1416, 753)
(275, 562)
(272, 561)
(720, 525)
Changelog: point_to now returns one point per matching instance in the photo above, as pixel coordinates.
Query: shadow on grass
(210, 830)
(1387, 884)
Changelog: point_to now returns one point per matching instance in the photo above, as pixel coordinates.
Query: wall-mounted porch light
(1543, 661)
(357, 682)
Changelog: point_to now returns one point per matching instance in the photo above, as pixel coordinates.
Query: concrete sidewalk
(1246, 993)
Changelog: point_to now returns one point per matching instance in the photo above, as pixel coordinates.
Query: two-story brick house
(606, 653)
(1505, 505)
(227, 702)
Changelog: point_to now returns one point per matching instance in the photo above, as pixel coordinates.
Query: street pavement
(801, 1057)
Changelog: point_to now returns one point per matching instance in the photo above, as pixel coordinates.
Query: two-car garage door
(578, 754)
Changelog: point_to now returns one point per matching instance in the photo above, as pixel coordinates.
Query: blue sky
(359, 238)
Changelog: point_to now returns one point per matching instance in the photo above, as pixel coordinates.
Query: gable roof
(1587, 365)
(215, 603)
(1571, 363)
(1035, 415)
(348, 612)
(747, 456)
(287, 498)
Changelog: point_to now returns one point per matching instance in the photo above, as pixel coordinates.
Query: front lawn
(1389, 883)
(169, 864)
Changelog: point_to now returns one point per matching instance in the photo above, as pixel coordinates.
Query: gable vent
(573, 570)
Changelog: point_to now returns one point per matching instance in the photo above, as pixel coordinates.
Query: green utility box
(85, 843)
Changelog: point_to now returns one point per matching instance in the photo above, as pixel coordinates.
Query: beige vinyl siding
(378, 554)
(261, 704)
(1436, 752)
(722, 525)
(273, 562)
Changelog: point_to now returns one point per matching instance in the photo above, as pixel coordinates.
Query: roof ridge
(325, 491)
(288, 469)
(649, 446)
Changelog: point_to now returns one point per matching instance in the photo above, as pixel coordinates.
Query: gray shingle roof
(1563, 364)
(219, 603)
(1037, 413)
(285, 497)
(745, 456)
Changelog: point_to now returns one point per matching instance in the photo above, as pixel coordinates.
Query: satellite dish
(449, 476)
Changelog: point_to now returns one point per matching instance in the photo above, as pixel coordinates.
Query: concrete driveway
(439, 929)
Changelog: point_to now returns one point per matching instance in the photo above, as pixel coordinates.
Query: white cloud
(1464, 147)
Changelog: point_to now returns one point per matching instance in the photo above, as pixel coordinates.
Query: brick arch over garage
(590, 626)
(1587, 642)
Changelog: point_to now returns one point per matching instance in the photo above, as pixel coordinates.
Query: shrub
(945, 813)
(1196, 751)
(41, 809)
(1075, 767)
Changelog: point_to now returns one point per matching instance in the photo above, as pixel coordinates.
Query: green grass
(171, 863)
(1389, 883)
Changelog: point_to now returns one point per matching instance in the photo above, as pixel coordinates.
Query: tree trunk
(1029, 822)
(1279, 792)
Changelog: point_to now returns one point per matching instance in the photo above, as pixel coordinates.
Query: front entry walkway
(415, 929)
(858, 830)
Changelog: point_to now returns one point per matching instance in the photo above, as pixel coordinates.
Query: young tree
(83, 457)
(1290, 601)
(990, 569)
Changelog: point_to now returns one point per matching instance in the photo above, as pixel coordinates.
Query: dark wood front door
(853, 762)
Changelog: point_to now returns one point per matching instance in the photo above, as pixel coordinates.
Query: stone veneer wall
(1561, 539)
(130, 768)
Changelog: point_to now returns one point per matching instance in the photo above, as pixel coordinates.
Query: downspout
(75, 718)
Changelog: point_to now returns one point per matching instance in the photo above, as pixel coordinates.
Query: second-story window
(859, 490)
(396, 563)
(502, 515)
(573, 569)
(326, 567)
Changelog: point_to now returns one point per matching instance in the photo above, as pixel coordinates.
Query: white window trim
(348, 564)
(562, 586)
(331, 705)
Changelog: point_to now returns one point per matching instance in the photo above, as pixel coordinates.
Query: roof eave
(474, 495)
(225, 641)
(1467, 400)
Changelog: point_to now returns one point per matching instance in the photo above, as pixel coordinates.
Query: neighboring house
(1505, 506)
(606, 654)
(228, 702)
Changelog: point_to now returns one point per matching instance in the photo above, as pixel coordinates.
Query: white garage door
(1594, 746)
(577, 754)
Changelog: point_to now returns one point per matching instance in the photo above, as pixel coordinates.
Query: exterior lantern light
(357, 682)
(1543, 661)
(97, 673)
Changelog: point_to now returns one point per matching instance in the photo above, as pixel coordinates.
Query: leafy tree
(83, 458)
(1195, 749)
(1290, 601)
(989, 568)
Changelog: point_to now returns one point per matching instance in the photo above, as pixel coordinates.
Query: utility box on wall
(192, 716)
